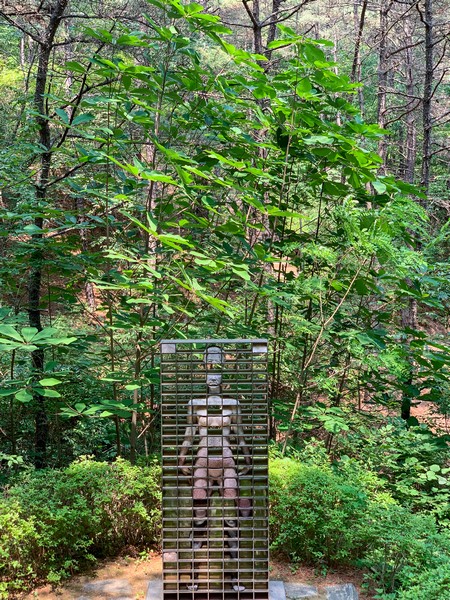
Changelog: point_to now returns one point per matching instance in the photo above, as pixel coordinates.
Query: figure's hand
(247, 468)
(185, 469)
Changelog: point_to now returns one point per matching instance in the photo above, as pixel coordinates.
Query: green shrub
(432, 583)
(317, 515)
(340, 513)
(87, 510)
(411, 460)
(402, 546)
(19, 548)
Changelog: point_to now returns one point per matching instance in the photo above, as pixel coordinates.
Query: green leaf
(62, 115)
(48, 393)
(32, 229)
(304, 87)
(9, 331)
(4, 393)
(61, 341)
(72, 65)
(28, 333)
(86, 118)
(379, 186)
(24, 396)
(49, 381)
(279, 44)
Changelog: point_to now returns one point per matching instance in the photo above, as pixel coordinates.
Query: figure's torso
(214, 416)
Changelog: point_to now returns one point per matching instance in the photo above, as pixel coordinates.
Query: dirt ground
(138, 572)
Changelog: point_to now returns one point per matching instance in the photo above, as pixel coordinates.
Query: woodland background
(228, 169)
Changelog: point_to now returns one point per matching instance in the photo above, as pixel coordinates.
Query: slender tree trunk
(88, 287)
(383, 78)
(409, 320)
(37, 257)
(427, 94)
(411, 135)
(22, 52)
(271, 34)
(409, 313)
(254, 12)
(356, 66)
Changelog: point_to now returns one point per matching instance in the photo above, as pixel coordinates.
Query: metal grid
(215, 520)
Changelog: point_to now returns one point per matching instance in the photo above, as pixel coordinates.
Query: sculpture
(215, 419)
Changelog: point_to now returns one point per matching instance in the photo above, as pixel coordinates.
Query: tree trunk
(427, 94)
(411, 137)
(383, 79)
(356, 66)
(271, 34)
(37, 257)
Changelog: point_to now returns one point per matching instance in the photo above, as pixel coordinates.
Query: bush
(432, 583)
(66, 518)
(312, 508)
(19, 545)
(403, 546)
(411, 460)
(341, 513)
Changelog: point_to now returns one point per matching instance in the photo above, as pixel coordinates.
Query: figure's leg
(200, 500)
(244, 506)
(230, 491)
(200, 503)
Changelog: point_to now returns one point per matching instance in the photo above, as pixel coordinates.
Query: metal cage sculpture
(215, 475)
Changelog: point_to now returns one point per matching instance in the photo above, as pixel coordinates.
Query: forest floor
(130, 577)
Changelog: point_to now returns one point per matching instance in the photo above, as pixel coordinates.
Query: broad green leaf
(4, 393)
(303, 87)
(48, 393)
(72, 65)
(379, 186)
(62, 115)
(24, 396)
(49, 381)
(28, 333)
(61, 341)
(9, 331)
(45, 333)
(279, 44)
(32, 229)
(80, 119)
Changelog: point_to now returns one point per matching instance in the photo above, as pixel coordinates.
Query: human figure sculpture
(216, 419)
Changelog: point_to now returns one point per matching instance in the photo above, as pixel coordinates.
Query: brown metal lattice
(215, 548)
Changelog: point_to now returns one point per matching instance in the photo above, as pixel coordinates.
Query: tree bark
(356, 66)
(410, 119)
(37, 257)
(383, 79)
(427, 94)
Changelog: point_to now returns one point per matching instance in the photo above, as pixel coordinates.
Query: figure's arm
(239, 433)
(188, 440)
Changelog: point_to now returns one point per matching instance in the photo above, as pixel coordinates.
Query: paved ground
(128, 579)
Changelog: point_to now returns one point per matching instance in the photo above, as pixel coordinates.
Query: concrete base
(278, 590)
(155, 590)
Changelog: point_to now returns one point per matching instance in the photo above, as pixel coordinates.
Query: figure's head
(213, 380)
(213, 356)
(213, 361)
